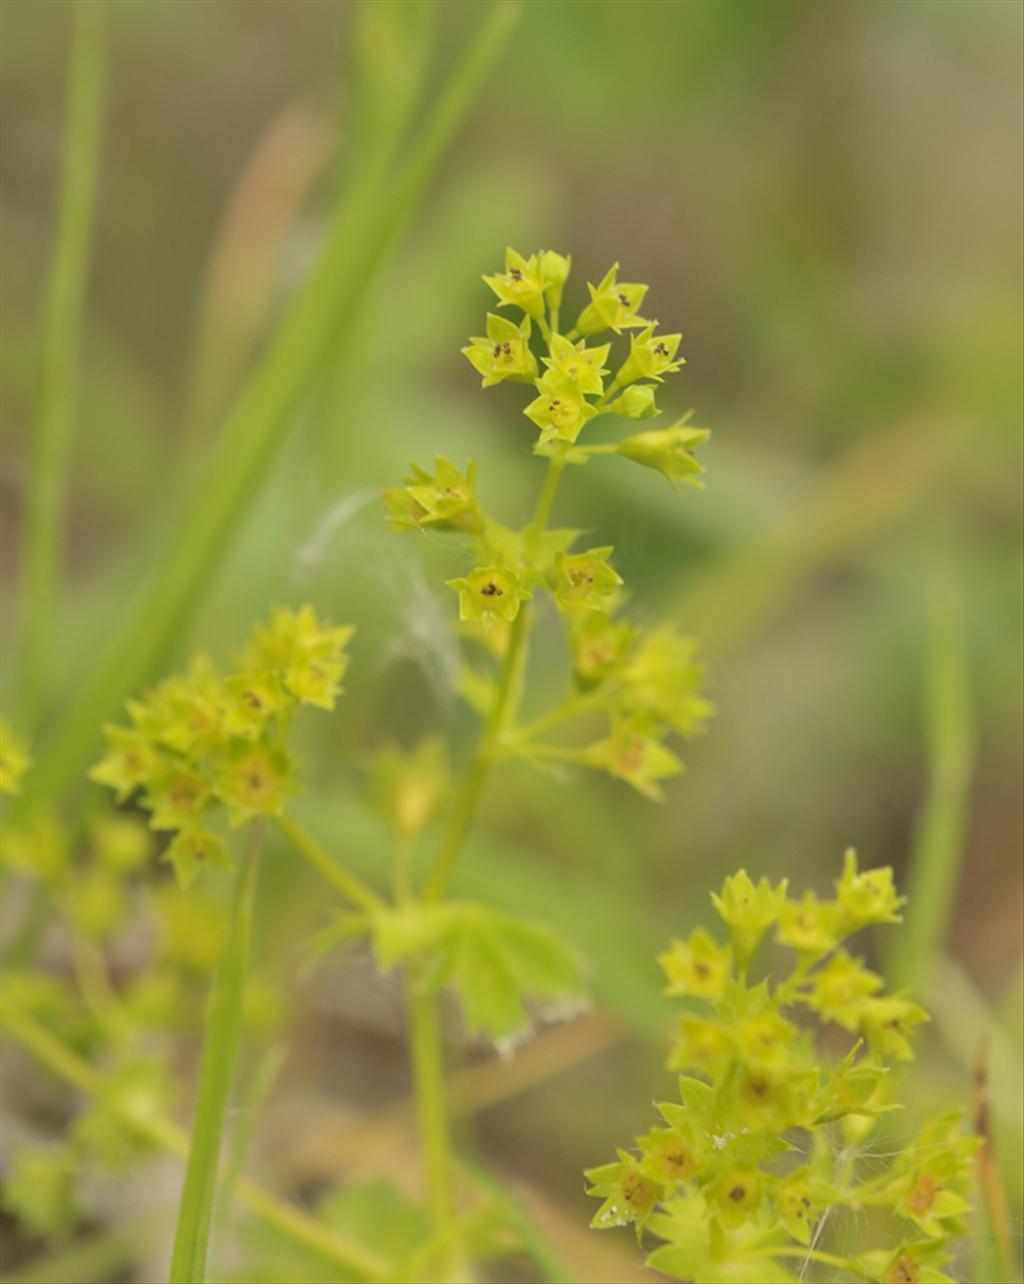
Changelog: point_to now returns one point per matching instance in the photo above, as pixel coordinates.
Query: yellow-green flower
(808, 925)
(749, 910)
(578, 365)
(560, 410)
(581, 580)
(521, 285)
(613, 305)
(503, 353)
(699, 966)
(489, 594)
(445, 499)
(651, 356)
(636, 756)
(867, 897)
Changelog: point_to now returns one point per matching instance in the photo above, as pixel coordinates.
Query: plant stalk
(221, 1041)
(430, 1097)
(511, 666)
(352, 888)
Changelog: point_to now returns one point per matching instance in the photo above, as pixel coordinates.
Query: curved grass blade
(258, 426)
(51, 461)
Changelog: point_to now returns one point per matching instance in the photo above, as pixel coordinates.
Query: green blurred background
(826, 198)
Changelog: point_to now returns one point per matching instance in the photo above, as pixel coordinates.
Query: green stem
(401, 870)
(573, 707)
(544, 504)
(352, 888)
(47, 489)
(811, 1255)
(163, 1133)
(431, 1107)
(221, 1041)
(512, 662)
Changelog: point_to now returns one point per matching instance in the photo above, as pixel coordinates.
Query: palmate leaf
(497, 964)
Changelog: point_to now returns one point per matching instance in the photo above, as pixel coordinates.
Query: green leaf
(496, 963)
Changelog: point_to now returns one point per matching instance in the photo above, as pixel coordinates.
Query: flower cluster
(741, 1174)
(203, 742)
(647, 684)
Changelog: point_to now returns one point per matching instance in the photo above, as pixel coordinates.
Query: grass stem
(51, 462)
(941, 828)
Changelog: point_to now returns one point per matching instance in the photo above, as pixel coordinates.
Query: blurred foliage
(828, 199)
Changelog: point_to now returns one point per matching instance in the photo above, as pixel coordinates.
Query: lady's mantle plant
(207, 748)
(752, 1164)
(741, 1175)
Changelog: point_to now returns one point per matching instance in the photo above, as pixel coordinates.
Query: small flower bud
(637, 402)
(554, 271)
(669, 451)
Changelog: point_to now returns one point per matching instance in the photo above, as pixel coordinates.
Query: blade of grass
(258, 425)
(394, 41)
(51, 460)
(221, 1040)
(161, 1132)
(941, 826)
